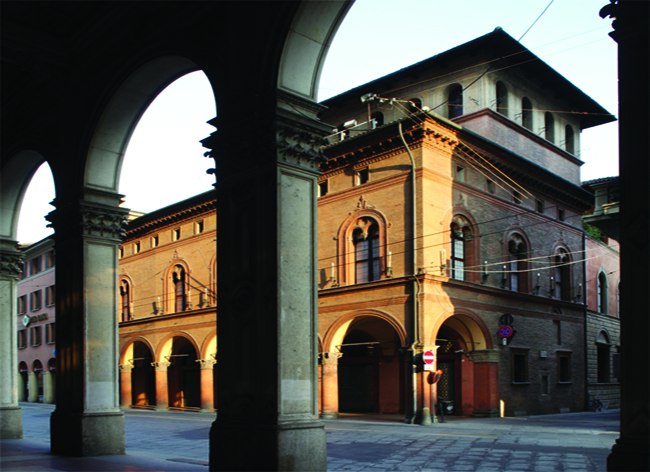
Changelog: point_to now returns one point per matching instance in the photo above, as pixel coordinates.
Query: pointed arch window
(502, 98)
(366, 254)
(527, 113)
(518, 265)
(455, 101)
(562, 275)
(602, 293)
(180, 289)
(125, 300)
(461, 239)
(549, 127)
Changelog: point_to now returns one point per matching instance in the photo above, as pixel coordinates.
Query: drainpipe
(586, 335)
(416, 282)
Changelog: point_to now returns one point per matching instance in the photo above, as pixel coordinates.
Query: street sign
(505, 331)
(428, 357)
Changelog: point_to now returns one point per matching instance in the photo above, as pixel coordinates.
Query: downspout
(584, 302)
(416, 282)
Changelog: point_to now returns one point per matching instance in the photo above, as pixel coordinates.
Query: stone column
(21, 388)
(207, 384)
(126, 398)
(162, 387)
(48, 387)
(87, 420)
(32, 385)
(267, 166)
(330, 364)
(632, 33)
(486, 382)
(11, 417)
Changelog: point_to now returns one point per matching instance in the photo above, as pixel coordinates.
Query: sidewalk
(178, 441)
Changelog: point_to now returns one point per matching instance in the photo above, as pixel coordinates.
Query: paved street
(178, 441)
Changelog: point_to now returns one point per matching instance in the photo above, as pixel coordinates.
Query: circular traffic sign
(428, 357)
(505, 331)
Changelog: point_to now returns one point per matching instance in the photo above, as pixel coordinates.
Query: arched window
(125, 300)
(602, 357)
(527, 113)
(415, 105)
(518, 265)
(378, 119)
(455, 101)
(502, 98)
(562, 275)
(366, 254)
(549, 127)
(460, 238)
(180, 288)
(569, 139)
(602, 293)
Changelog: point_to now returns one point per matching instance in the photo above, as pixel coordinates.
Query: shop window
(50, 298)
(22, 339)
(323, 188)
(569, 139)
(549, 127)
(602, 289)
(561, 284)
(366, 254)
(377, 119)
(180, 289)
(518, 264)
(22, 304)
(527, 113)
(125, 300)
(455, 101)
(35, 302)
(564, 367)
(519, 366)
(602, 357)
(36, 336)
(502, 98)
(199, 226)
(50, 333)
(362, 176)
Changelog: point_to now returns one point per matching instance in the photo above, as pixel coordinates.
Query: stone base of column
(162, 408)
(486, 413)
(295, 446)
(11, 423)
(629, 456)
(329, 415)
(87, 434)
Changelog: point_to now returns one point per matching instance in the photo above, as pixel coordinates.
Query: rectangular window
(198, 227)
(22, 339)
(22, 304)
(564, 367)
(50, 334)
(460, 174)
(560, 214)
(121, 252)
(323, 188)
(540, 206)
(491, 187)
(23, 271)
(35, 300)
(49, 259)
(35, 265)
(136, 247)
(49, 296)
(516, 197)
(363, 176)
(35, 334)
(557, 329)
(176, 234)
(520, 366)
(154, 241)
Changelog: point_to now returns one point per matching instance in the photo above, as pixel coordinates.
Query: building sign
(27, 319)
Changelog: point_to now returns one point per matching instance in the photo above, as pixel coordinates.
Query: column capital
(330, 358)
(10, 260)
(126, 368)
(161, 366)
(88, 219)
(207, 363)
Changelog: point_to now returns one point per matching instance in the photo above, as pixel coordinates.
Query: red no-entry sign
(428, 357)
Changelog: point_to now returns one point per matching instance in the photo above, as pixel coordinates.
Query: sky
(376, 38)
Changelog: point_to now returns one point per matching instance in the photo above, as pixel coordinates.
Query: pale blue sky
(376, 38)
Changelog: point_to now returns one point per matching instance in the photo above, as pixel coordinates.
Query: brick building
(35, 323)
(450, 221)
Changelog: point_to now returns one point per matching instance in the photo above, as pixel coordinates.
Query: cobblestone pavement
(178, 441)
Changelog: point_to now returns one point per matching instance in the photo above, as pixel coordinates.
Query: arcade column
(32, 386)
(11, 417)
(162, 387)
(87, 420)
(49, 394)
(207, 384)
(126, 397)
(330, 364)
